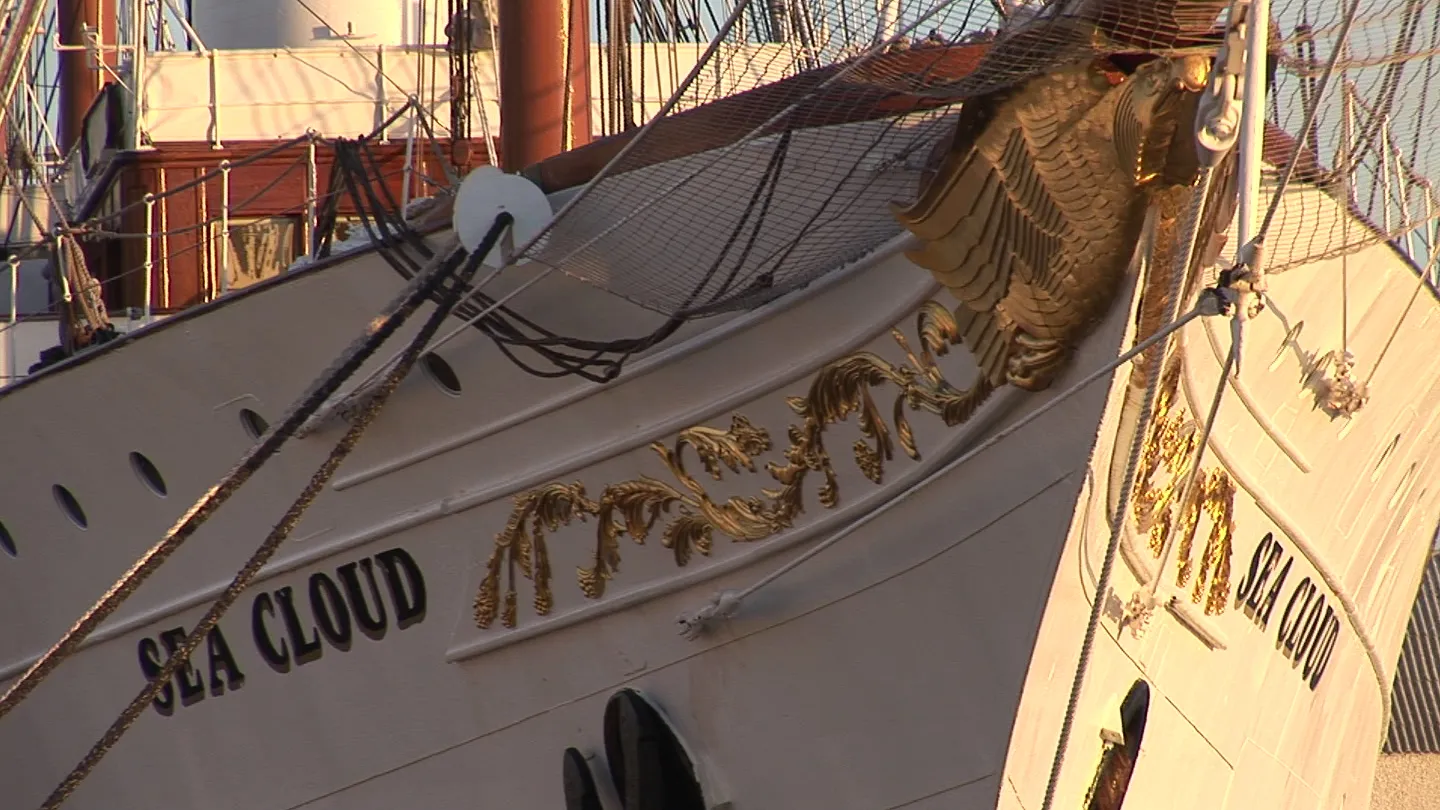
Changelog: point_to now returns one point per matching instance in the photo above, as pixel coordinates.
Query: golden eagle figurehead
(1035, 212)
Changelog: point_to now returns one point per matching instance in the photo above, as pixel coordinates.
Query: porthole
(7, 542)
(149, 474)
(1384, 457)
(1118, 757)
(254, 423)
(1403, 488)
(442, 373)
(70, 506)
(1290, 338)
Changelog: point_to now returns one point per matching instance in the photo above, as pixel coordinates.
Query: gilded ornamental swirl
(1169, 452)
(691, 517)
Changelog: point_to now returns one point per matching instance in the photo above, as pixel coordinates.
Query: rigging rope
(594, 360)
(499, 322)
(1118, 518)
(1311, 112)
(297, 510)
(1420, 284)
(1251, 255)
(380, 330)
(494, 319)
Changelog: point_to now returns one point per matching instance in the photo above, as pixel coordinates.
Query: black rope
(348, 363)
(354, 171)
(300, 411)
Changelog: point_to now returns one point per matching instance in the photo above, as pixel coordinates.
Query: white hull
(1233, 720)
(922, 662)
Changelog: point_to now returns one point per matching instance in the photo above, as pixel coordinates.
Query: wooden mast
(80, 80)
(534, 43)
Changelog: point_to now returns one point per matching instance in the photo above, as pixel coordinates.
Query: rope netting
(780, 162)
(782, 158)
(1372, 146)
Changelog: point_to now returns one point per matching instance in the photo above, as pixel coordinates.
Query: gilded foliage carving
(1165, 466)
(691, 516)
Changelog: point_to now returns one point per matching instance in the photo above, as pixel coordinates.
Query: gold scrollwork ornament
(1171, 448)
(634, 507)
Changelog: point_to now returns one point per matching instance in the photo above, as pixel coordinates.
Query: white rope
(1212, 298)
(727, 602)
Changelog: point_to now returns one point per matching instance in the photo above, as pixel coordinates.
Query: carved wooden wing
(1031, 217)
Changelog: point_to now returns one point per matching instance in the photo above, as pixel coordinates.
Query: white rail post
(408, 172)
(312, 190)
(1351, 161)
(1406, 186)
(212, 56)
(224, 226)
(207, 241)
(1430, 231)
(14, 262)
(137, 69)
(887, 20)
(1403, 186)
(163, 199)
(149, 265)
(1386, 192)
(382, 94)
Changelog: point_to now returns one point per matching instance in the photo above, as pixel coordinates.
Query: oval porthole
(1290, 338)
(442, 373)
(1403, 488)
(254, 423)
(70, 506)
(1384, 457)
(149, 474)
(7, 542)
(1120, 752)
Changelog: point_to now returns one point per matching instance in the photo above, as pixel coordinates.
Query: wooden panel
(260, 185)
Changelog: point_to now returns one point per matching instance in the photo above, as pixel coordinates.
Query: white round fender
(483, 195)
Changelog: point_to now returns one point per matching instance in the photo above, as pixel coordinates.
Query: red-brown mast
(533, 76)
(80, 81)
(579, 45)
